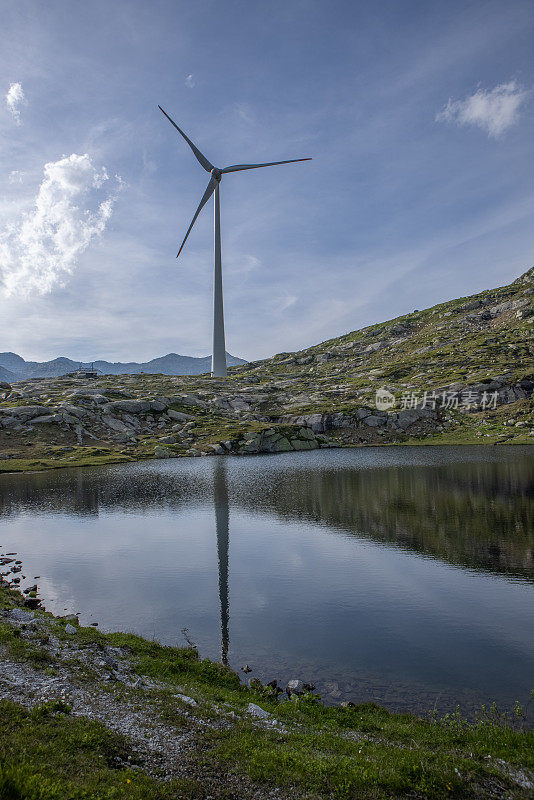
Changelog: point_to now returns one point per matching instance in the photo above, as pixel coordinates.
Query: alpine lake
(399, 575)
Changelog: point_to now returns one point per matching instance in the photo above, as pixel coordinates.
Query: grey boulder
(257, 711)
(295, 687)
(185, 699)
(162, 452)
(130, 406)
(178, 416)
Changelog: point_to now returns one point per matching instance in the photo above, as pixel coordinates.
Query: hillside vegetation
(460, 372)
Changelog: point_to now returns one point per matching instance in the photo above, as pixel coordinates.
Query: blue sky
(418, 116)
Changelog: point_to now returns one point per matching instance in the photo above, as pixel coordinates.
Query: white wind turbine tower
(218, 358)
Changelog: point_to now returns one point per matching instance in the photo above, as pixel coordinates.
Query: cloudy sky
(418, 115)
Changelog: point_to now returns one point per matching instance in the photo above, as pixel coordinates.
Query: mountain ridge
(13, 367)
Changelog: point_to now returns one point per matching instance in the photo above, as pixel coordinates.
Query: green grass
(365, 752)
(45, 754)
(173, 665)
(21, 650)
(77, 459)
(362, 752)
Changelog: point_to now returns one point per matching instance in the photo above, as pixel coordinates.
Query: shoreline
(418, 701)
(26, 467)
(176, 717)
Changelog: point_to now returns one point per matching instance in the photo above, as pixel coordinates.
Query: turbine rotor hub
(217, 174)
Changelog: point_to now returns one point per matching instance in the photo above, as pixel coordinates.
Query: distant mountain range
(14, 368)
(6, 375)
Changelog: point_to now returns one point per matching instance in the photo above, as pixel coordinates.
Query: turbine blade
(239, 167)
(207, 194)
(201, 158)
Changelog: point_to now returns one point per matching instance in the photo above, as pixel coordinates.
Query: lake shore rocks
(295, 687)
(87, 415)
(163, 452)
(364, 417)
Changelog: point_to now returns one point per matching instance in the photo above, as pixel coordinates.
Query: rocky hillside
(14, 367)
(460, 343)
(460, 372)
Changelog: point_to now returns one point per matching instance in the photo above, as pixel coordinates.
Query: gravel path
(129, 704)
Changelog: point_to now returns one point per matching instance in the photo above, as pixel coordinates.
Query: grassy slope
(360, 752)
(457, 344)
(448, 345)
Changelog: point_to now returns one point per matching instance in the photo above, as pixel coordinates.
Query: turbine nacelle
(217, 174)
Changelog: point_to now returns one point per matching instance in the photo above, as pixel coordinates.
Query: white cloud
(493, 110)
(189, 81)
(14, 99)
(41, 248)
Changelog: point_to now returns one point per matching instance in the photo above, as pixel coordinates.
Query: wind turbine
(218, 358)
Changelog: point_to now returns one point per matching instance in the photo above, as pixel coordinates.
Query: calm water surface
(400, 575)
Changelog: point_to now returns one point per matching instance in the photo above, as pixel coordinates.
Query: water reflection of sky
(327, 574)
